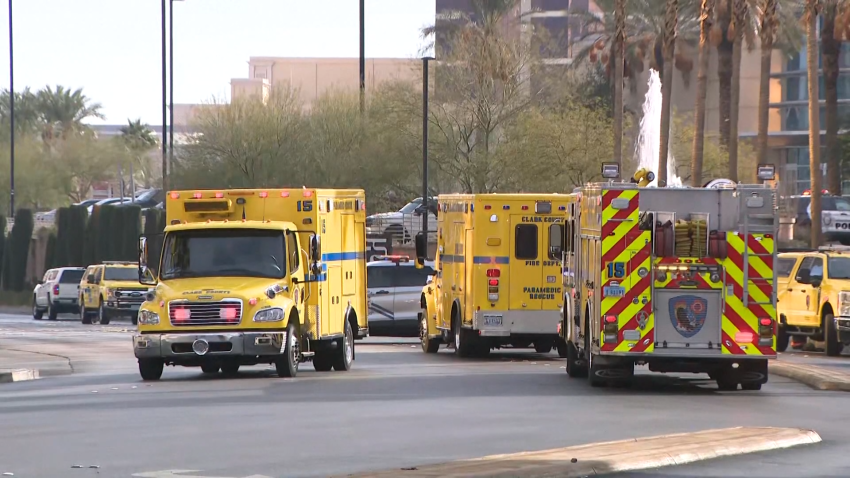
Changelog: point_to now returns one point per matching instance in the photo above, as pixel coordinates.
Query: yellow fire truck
(245, 277)
(498, 269)
(679, 279)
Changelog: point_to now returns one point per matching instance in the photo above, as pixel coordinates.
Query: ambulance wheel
(286, 365)
(151, 368)
(463, 340)
(209, 368)
(322, 362)
(832, 345)
(344, 354)
(575, 367)
(543, 347)
(482, 349)
(782, 339)
(561, 345)
(429, 345)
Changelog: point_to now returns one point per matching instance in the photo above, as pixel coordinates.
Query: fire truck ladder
(761, 198)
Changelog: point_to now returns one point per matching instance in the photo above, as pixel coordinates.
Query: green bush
(105, 230)
(131, 230)
(18, 251)
(60, 255)
(76, 225)
(50, 254)
(90, 250)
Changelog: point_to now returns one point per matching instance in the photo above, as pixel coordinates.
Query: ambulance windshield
(224, 253)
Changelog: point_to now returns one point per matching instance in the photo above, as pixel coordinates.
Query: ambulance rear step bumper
(504, 323)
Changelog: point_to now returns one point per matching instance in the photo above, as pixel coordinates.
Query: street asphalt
(397, 407)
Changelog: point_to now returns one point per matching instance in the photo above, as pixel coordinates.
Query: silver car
(394, 288)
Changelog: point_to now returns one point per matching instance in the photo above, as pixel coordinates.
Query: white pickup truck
(57, 293)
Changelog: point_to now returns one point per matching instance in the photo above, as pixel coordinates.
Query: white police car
(394, 286)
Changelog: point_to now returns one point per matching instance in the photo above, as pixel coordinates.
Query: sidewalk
(17, 365)
(820, 373)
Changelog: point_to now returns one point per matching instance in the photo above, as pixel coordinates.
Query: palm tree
(811, 20)
(64, 111)
(26, 110)
(139, 140)
(706, 20)
(834, 29)
(767, 37)
(671, 18)
(741, 29)
(619, 44)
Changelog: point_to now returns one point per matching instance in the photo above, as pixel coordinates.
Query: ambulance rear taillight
(493, 284)
(610, 328)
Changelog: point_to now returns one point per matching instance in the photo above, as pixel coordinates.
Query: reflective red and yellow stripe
(741, 323)
(623, 242)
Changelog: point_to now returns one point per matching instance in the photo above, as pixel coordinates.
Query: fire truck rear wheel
(344, 354)
(286, 365)
(561, 345)
(574, 367)
(151, 368)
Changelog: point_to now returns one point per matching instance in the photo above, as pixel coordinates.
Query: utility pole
(362, 57)
(12, 119)
(425, 61)
(164, 107)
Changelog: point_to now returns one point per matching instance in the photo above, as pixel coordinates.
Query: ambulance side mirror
(421, 248)
(315, 255)
(145, 276)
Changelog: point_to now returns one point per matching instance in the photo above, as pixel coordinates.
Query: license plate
(614, 291)
(492, 320)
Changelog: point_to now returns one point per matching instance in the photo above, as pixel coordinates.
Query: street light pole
(164, 112)
(425, 61)
(171, 82)
(362, 57)
(11, 119)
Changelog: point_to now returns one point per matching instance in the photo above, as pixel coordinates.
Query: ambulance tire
(286, 364)
(464, 346)
(574, 367)
(210, 368)
(151, 368)
(561, 345)
(543, 347)
(831, 344)
(782, 338)
(429, 345)
(230, 368)
(482, 349)
(344, 354)
(323, 362)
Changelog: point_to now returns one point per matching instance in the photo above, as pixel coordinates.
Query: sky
(112, 49)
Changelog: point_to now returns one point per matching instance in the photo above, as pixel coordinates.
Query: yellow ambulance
(498, 273)
(251, 276)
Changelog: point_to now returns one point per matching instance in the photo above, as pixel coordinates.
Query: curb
(19, 375)
(616, 456)
(816, 377)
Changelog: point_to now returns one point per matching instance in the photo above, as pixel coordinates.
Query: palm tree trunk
(619, 43)
(669, 51)
(830, 50)
(706, 20)
(735, 97)
(724, 72)
(814, 117)
(767, 34)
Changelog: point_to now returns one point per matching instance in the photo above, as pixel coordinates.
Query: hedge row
(110, 233)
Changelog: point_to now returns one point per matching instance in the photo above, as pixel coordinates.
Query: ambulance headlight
(148, 317)
(844, 304)
(274, 314)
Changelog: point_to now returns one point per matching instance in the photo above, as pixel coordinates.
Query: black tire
(482, 349)
(322, 362)
(429, 345)
(561, 345)
(286, 364)
(782, 339)
(463, 345)
(102, 315)
(750, 386)
(543, 347)
(230, 368)
(574, 368)
(37, 313)
(725, 384)
(135, 319)
(832, 345)
(344, 355)
(209, 368)
(151, 368)
(52, 313)
(593, 371)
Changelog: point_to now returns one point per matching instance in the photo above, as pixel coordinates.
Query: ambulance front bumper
(194, 346)
(514, 322)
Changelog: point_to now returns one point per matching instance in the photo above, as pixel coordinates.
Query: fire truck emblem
(688, 314)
